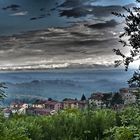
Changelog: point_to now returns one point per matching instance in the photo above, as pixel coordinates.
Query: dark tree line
(132, 33)
(2, 92)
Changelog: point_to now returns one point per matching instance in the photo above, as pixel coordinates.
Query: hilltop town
(115, 101)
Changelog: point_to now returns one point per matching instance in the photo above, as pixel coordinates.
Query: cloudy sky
(40, 34)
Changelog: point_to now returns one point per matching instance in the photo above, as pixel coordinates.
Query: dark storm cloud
(97, 11)
(75, 12)
(90, 42)
(25, 15)
(76, 3)
(74, 46)
(71, 3)
(59, 41)
(12, 7)
(104, 11)
(108, 24)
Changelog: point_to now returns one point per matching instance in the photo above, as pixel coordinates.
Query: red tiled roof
(124, 90)
(53, 102)
(97, 96)
(14, 103)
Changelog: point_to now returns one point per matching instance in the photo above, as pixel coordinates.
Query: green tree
(135, 80)
(2, 92)
(83, 98)
(117, 99)
(132, 32)
(128, 127)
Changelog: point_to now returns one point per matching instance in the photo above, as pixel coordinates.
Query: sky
(54, 11)
(42, 34)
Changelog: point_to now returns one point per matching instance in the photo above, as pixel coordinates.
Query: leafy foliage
(132, 33)
(129, 128)
(74, 124)
(117, 99)
(2, 92)
(135, 80)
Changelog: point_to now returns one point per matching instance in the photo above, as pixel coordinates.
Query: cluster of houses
(43, 107)
(118, 100)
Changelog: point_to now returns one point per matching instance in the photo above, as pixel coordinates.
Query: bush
(73, 124)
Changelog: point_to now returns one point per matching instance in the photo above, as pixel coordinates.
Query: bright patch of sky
(113, 2)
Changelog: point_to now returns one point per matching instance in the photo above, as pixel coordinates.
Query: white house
(96, 100)
(128, 96)
(7, 112)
